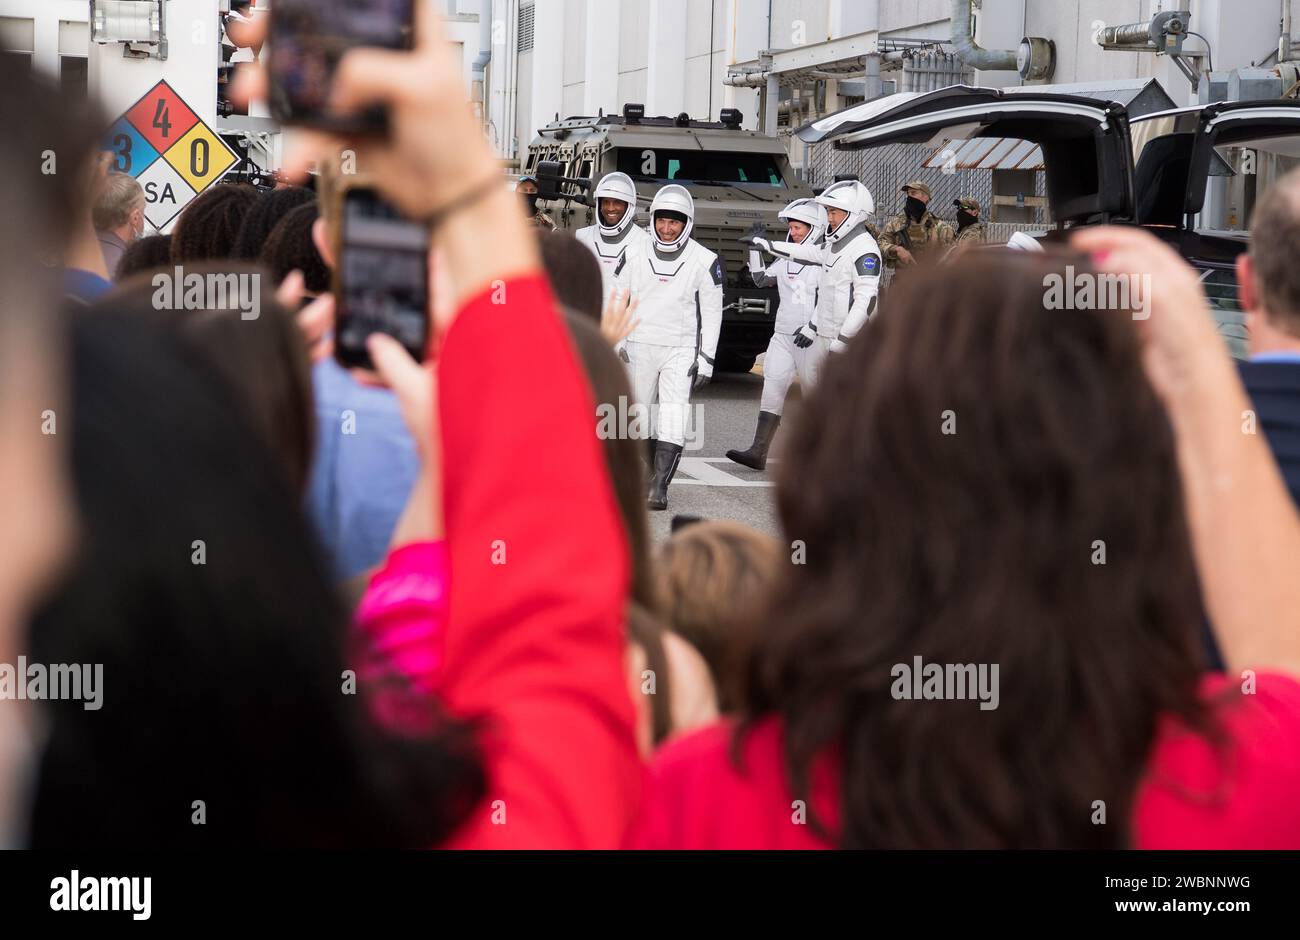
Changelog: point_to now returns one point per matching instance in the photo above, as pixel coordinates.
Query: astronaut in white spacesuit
(851, 266)
(615, 238)
(792, 350)
(678, 284)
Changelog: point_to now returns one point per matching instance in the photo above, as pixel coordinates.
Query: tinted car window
(1221, 291)
(700, 166)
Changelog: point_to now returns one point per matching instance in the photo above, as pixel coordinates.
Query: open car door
(1087, 151)
(1179, 153)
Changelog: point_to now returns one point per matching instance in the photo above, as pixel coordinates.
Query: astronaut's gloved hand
(701, 373)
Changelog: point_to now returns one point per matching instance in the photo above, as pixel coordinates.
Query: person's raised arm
(534, 641)
(1244, 527)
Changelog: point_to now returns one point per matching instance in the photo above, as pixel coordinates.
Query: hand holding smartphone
(381, 279)
(307, 40)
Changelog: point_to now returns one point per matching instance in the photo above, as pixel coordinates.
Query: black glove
(802, 339)
(757, 230)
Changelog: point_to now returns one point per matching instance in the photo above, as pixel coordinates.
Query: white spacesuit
(851, 266)
(678, 286)
(614, 245)
(790, 351)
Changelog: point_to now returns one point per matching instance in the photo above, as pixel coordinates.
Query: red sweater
(697, 798)
(534, 637)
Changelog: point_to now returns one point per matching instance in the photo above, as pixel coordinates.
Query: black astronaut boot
(756, 457)
(667, 457)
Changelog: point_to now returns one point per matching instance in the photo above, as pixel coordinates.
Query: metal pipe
(996, 60)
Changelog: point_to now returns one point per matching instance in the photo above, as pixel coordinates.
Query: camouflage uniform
(974, 234)
(922, 239)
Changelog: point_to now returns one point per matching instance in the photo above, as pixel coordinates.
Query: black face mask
(914, 208)
(964, 218)
(531, 202)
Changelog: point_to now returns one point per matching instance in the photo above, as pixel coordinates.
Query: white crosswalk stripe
(707, 471)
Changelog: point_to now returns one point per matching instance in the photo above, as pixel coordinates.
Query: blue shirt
(84, 286)
(1280, 355)
(363, 472)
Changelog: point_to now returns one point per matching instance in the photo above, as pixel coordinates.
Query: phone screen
(309, 37)
(383, 279)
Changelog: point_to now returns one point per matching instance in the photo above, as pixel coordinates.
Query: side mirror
(549, 180)
(553, 185)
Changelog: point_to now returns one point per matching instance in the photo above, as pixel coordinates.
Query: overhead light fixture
(139, 24)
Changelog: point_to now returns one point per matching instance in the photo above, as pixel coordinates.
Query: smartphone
(306, 41)
(381, 281)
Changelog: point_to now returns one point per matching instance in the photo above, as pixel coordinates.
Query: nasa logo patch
(717, 272)
(869, 265)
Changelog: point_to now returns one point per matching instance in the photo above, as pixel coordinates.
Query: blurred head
(574, 274)
(263, 360)
(209, 226)
(199, 589)
(835, 218)
(46, 154)
(1267, 276)
(266, 213)
(120, 207)
(799, 231)
(151, 253)
(291, 247)
(974, 458)
(713, 580)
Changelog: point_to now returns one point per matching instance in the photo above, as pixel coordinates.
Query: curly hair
(208, 227)
(265, 215)
(981, 480)
(291, 248)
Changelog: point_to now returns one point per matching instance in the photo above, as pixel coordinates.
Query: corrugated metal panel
(988, 153)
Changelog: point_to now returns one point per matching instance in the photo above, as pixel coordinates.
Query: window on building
(18, 40)
(74, 75)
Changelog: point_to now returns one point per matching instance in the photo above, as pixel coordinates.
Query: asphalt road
(707, 483)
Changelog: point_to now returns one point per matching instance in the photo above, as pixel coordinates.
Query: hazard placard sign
(175, 156)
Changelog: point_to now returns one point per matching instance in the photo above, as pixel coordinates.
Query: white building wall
(46, 16)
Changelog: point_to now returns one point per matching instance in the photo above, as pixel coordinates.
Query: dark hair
(971, 454)
(208, 227)
(291, 248)
(264, 360)
(223, 677)
(611, 391)
(267, 212)
(574, 273)
(1275, 233)
(151, 253)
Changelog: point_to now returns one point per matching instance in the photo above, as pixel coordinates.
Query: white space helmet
(616, 186)
(672, 198)
(1023, 242)
(809, 212)
(851, 197)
